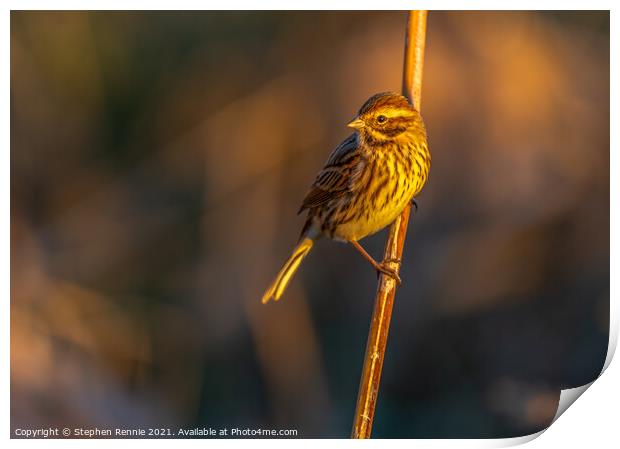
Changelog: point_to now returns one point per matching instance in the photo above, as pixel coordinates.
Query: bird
(365, 184)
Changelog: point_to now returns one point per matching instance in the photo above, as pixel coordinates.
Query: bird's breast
(390, 183)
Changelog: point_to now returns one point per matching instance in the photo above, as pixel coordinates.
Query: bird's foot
(414, 203)
(384, 268)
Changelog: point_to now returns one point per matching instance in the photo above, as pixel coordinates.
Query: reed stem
(386, 289)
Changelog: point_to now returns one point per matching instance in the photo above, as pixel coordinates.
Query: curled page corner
(569, 395)
(567, 398)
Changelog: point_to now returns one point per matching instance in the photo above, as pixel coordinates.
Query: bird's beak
(356, 123)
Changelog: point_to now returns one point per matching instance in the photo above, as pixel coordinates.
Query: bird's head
(386, 117)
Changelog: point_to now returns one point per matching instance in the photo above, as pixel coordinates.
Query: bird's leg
(380, 267)
(414, 203)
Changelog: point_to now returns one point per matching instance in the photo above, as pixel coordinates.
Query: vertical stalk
(386, 289)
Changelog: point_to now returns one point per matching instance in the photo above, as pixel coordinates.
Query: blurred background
(157, 163)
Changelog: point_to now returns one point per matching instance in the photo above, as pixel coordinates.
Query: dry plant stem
(384, 300)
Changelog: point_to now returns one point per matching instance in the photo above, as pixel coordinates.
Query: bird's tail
(279, 284)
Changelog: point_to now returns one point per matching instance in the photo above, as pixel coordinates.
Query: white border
(314, 5)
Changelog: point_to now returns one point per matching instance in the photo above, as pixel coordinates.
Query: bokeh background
(158, 160)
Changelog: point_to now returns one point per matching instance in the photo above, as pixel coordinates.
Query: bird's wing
(337, 176)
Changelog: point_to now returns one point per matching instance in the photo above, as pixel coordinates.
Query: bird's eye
(381, 119)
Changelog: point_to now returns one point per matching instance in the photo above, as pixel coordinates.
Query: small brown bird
(365, 184)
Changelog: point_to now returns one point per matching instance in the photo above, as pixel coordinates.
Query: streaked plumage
(366, 182)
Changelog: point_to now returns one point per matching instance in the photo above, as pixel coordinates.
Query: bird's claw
(414, 203)
(388, 271)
